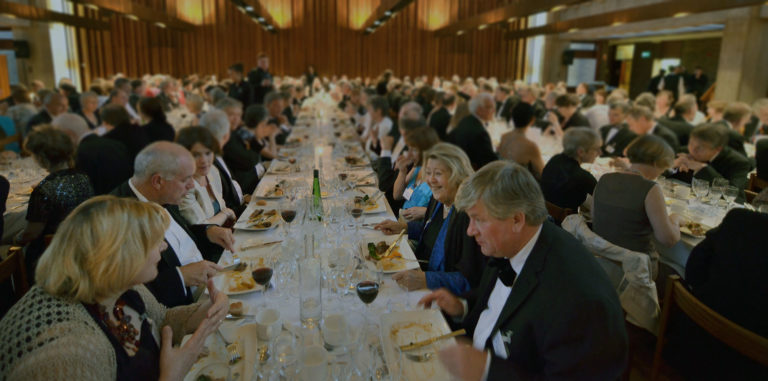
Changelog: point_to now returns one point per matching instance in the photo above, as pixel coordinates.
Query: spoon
(419, 357)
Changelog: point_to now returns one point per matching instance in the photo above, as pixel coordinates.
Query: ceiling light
(557, 8)
(511, 19)
(241, 9)
(132, 17)
(573, 30)
(377, 23)
(270, 27)
(481, 27)
(617, 23)
(261, 19)
(159, 24)
(681, 14)
(249, 8)
(388, 13)
(459, 33)
(369, 30)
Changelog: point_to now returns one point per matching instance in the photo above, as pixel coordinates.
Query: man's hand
(411, 279)
(198, 273)
(390, 227)
(222, 237)
(464, 361)
(449, 303)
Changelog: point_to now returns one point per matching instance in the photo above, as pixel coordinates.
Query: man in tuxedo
(54, 104)
(239, 89)
(708, 158)
(217, 123)
(163, 175)
(735, 116)
(274, 102)
(616, 136)
(441, 117)
(544, 307)
(504, 103)
(641, 122)
(685, 111)
(105, 161)
(470, 134)
(758, 124)
(260, 79)
(653, 86)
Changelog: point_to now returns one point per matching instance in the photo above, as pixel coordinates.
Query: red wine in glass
(288, 215)
(356, 212)
(367, 291)
(342, 176)
(262, 275)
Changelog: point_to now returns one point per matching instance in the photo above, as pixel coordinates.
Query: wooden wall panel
(321, 33)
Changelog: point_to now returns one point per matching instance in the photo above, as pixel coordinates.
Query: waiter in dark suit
(758, 123)
(709, 157)
(640, 121)
(616, 136)
(239, 89)
(441, 118)
(193, 250)
(261, 79)
(544, 307)
(653, 86)
(471, 135)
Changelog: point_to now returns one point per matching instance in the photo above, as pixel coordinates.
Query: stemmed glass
(262, 275)
(730, 193)
(368, 285)
(355, 209)
(288, 211)
(715, 192)
(700, 188)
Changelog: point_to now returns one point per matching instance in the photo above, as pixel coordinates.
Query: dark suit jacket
(727, 164)
(439, 121)
(159, 130)
(241, 91)
(471, 136)
(132, 136)
(42, 117)
(255, 77)
(168, 287)
(668, 136)
(105, 161)
(505, 109)
(679, 126)
(577, 120)
(761, 158)
(753, 127)
(653, 85)
(242, 162)
(615, 147)
(727, 272)
(735, 140)
(564, 183)
(228, 192)
(671, 83)
(387, 176)
(563, 316)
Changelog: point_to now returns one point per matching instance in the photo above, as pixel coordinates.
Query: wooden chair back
(729, 333)
(13, 268)
(558, 213)
(749, 195)
(756, 184)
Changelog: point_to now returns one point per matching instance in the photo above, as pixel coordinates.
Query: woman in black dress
(157, 128)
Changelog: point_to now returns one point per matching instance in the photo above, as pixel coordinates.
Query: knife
(426, 342)
(393, 244)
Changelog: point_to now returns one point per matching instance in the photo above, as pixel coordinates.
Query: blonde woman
(455, 260)
(90, 317)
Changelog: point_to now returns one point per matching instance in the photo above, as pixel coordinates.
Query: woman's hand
(411, 279)
(390, 227)
(415, 213)
(402, 163)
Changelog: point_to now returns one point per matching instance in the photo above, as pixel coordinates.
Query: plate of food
(408, 327)
(694, 229)
(355, 161)
(401, 258)
(211, 363)
(237, 281)
(274, 190)
(260, 220)
(281, 167)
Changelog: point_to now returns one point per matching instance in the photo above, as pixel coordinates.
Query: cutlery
(238, 317)
(233, 350)
(257, 245)
(393, 244)
(419, 357)
(234, 265)
(426, 342)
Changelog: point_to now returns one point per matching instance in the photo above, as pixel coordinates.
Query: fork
(233, 349)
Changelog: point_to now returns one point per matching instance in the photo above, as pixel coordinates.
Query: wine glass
(288, 211)
(355, 209)
(700, 188)
(368, 286)
(730, 193)
(715, 192)
(262, 276)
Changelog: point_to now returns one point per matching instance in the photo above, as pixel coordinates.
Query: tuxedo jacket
(242, 162)
(615, 147)
(255, 78)
(679, 126)
(228, 191)
(440, 120)
(668, 136)
(727, 164)
(471, 136)
(105, 161)
(168, 287)
(563, 318)
(387, 175)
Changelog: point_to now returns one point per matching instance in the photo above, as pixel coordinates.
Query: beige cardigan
(197, 206)
(47, 338)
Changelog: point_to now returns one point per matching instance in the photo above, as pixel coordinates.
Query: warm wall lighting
(572, 30)
(680, 14)
(511, 19)
(196, 12)
(280, 10)
(132, 17)
(557, 8)
(160, 25)
(433, 14)
(481, 27)
(8, 15)
(459, 33)
(617, 23)
(91, 6)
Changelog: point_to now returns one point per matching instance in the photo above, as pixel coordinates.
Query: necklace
(122, 330)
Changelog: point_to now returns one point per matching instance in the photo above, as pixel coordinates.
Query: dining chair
(756, 184)
(729, 333)
(12, 268)
(558, 213)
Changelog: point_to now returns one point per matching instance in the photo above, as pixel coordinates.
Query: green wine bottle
(316, 196)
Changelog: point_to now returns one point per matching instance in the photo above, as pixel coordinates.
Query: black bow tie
(506, 273)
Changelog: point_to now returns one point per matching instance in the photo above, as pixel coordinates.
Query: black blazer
(577, 120)
(761, 158)
(505, 109)
(564, 183)
(242, 92)
(615, 147)
(42, 117)
(471, 136)
(563, 316)
(387, 176)
(727, 164)
(668, 136)
(132, 136)
(255, 77)
(167, 286)
(439, 121)
(159, 130)
(679, 126)
(727, 272)
(228, 192)
(242, 162)
(462, 253)
(105, 161)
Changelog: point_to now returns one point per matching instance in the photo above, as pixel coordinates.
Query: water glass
(700, 188)
(730, 193)
(310, 291)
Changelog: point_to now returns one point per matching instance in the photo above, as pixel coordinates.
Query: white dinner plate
(407, 261)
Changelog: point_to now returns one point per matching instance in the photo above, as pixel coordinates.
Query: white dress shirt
(238, 190)
(182, 244)
(496, 302)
